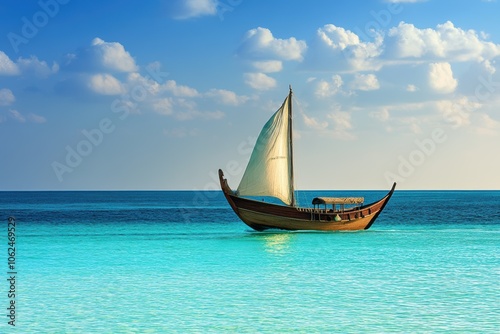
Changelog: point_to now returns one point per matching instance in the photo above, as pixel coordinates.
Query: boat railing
(317, 214)
(330, 211)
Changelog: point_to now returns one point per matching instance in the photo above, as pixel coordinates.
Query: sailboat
(269, 173)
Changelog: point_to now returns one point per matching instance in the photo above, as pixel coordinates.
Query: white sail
(270, 171)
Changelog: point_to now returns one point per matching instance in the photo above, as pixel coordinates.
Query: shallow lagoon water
(182, 262)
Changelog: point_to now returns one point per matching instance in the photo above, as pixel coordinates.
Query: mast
(290, 127)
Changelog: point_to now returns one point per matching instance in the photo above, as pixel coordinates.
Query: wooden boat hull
(261, 216)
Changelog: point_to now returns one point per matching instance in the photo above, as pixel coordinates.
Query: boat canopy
(338, 200)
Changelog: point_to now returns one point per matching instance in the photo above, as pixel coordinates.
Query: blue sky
(160, 94)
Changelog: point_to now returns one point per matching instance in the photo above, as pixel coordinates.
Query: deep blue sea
(182, 262)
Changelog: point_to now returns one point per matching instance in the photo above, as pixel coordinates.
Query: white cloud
(445, 42)
(19, 117)
(6, 97)
(337, 37)
(259, 43)
(468, 112)
(441, 78)
(412, 124)
(269, 66)
(365, 82)
(412, 117)
(473, 79)
(113, 56)
(7, 66)
(182, 109)
(457, 111)
(382, 115)
(105, 84)
(488, 126)
(338, 49)
(16, 115)
(102, 56)
(312, 123)
(411, 88)
(328, 88)
(164, 106)
(259, 81)
(342, 120)
(26, 65)
(39, 68)
(179, 90)
(342, 125)
(185, 9)
(335, 48)
(410, 41)
(177, 101)
(36, 118)
(137, 81)
(226, 97)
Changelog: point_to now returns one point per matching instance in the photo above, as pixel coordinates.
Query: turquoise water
(182, 262)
